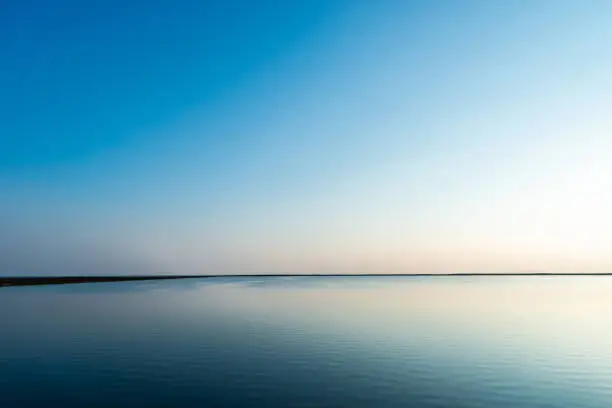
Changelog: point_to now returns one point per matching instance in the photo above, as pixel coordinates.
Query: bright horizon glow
(320, 136)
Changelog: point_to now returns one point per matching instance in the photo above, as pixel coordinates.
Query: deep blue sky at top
(81, 77)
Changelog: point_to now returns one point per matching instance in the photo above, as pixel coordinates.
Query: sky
(310, 136)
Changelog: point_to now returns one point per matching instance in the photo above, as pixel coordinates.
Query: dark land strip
(62, 280)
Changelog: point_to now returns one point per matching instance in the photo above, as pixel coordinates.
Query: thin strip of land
(63, 280)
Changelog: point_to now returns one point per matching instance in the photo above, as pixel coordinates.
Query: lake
(309, 342)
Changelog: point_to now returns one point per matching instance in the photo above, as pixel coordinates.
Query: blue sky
(305, 136)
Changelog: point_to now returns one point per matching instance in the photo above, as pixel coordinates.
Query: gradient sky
(305, 136)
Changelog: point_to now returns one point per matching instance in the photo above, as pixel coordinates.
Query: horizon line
(74, 279)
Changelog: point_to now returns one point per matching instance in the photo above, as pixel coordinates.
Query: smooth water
(309, 342)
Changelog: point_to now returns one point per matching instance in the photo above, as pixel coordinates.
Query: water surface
(309, 342)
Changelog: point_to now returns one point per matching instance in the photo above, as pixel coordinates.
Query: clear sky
(323, 136)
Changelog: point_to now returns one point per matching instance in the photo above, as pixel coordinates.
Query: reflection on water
(311, 341)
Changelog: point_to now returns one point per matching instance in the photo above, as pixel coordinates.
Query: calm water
(309, 342)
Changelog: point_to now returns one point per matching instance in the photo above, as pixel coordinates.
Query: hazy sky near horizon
(305, 136)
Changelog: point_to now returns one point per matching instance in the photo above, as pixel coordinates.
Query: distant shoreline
(63, 280)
